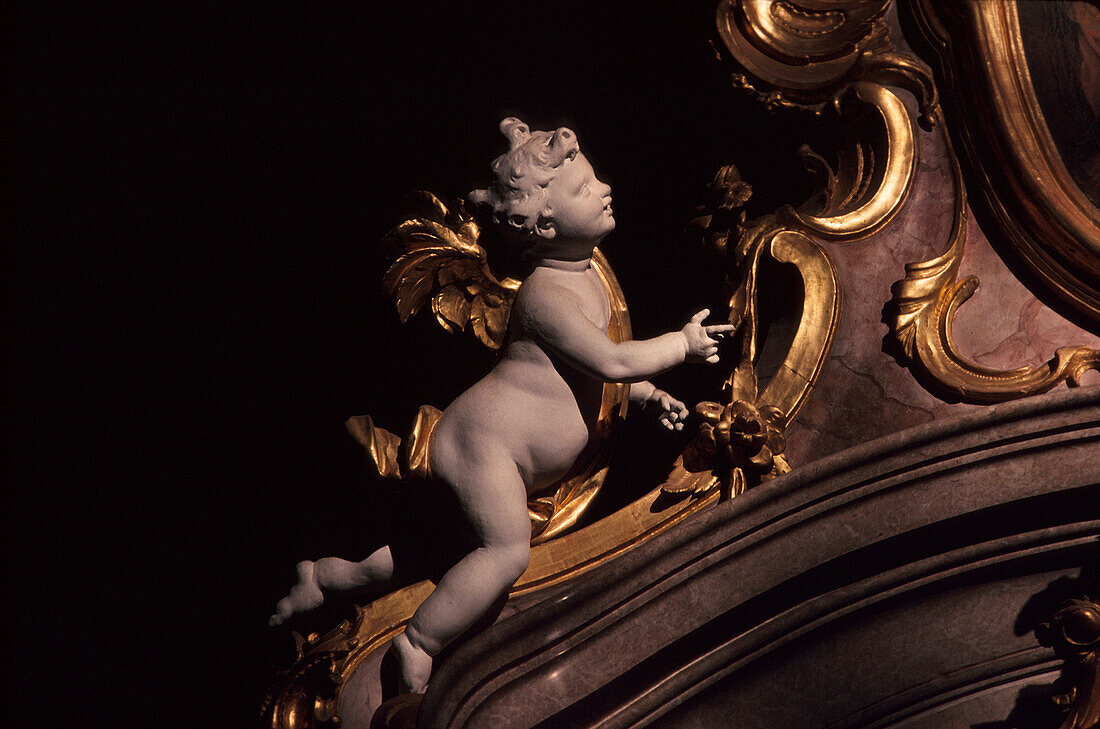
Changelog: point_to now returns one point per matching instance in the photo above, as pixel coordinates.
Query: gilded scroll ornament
(315, 682)
(923, 311)
(802, 53)
(741, 441)
(836, 58)
(875, 162)
(1003, 123)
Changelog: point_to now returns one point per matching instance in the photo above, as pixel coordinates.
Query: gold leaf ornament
(442, 262)
(922, 317)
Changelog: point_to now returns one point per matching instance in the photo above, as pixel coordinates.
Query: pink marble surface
(863, 392)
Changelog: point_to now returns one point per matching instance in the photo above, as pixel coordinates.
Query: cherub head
(546, 194)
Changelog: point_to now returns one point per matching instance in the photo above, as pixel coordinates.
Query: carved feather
(442, 262)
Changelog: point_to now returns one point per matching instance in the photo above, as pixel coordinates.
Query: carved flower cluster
(740, 434)
(739, 444)
(723, 217)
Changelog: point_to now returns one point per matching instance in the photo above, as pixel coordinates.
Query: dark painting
(1062, 43)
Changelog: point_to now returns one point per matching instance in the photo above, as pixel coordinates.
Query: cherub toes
(522, 426)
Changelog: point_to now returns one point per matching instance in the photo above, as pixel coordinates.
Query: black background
(199, 191)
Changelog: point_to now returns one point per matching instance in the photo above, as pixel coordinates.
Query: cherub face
(580, 205)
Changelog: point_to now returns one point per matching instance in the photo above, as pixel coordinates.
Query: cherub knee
(511, 560)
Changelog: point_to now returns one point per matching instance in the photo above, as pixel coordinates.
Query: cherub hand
(702, 341)
(673, 412)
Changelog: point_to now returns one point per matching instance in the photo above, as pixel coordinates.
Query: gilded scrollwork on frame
(803, 53)
(1040, 211)
(741, 441)
(924, 307)
(833, 60)
(837, 57)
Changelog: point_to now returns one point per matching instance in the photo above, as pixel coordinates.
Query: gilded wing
(443, 262)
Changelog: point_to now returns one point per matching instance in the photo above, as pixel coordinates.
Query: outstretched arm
(552, 315)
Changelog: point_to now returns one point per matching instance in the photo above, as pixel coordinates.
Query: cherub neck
(560, 265)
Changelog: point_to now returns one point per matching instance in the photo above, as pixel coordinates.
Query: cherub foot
(414, 665)
(304, 596)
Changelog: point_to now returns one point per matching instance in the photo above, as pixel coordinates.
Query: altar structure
(797, 568)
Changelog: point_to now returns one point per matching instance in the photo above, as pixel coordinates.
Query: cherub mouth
(607, 206)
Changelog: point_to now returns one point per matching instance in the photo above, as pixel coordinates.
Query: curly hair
(518, 197)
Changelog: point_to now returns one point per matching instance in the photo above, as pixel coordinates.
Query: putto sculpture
(520, 428)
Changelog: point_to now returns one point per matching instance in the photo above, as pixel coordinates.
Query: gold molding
(862, 196)
(825, 58)
(1039, 209)
(836, 58)
(924, 305)
(741, 441)
(805, 52)
(791, 385)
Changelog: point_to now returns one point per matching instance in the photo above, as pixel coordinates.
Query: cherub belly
(540, 429)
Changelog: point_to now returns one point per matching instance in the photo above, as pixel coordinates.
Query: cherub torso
(533, 408)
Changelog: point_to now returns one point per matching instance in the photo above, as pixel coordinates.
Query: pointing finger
(719, 330)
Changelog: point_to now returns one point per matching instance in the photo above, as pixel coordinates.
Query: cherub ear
(545, 228)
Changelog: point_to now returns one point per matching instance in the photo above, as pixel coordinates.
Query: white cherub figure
(522, 426)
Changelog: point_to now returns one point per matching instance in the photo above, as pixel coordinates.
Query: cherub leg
(494, 499)
(332, 574)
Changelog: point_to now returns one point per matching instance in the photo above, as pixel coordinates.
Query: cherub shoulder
(543, 296)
